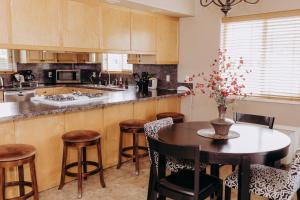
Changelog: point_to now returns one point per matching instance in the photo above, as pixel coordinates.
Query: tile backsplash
(160, 71)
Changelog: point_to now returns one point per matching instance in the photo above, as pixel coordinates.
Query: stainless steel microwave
(68, 76)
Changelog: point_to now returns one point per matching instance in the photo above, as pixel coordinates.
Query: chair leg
(133, 146)
(215, 170)
(2, 183)
(150, 186)
(120, 150)
(63, 167)
(21, 180)
(136, 153)
(84, 161)
(227, 193)
(220, 192)
(34, 181)
(79, 173)
(100, 164)
(298, 194)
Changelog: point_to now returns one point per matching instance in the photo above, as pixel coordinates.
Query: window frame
(270, 15)
(106, 68)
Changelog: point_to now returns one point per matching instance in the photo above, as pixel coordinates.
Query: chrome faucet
(1, 82)
(109, 84)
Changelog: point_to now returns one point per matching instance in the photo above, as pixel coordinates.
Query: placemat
(210, 133)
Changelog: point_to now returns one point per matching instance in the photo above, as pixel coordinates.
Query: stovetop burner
(72, 97)
(60, 98)
(88, 94)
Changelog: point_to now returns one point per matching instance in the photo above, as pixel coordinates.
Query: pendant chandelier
(226, 4)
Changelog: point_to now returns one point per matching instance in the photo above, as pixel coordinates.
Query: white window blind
(5, 61)
(271, 48)
(116, 63)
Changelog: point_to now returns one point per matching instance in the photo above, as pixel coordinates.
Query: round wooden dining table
(256, 145)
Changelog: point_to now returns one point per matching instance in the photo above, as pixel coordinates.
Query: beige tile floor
(120, 185)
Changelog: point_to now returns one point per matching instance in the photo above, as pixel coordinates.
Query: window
(116, 63)
(6, 60)
(270, 46)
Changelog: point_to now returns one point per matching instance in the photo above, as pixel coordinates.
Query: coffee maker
(28, 75)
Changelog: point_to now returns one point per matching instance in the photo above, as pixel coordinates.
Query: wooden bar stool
(177, 117)
(135, 127)
(80, 139)
(17, 155)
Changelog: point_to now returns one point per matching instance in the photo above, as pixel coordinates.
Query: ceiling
(180, 8)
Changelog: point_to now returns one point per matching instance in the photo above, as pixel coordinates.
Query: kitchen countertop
(27, 109)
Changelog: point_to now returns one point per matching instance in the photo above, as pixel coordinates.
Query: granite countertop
(27, 109)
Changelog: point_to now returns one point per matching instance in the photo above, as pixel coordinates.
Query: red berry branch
(227, 78)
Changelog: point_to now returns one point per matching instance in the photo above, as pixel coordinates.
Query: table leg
(244, 179)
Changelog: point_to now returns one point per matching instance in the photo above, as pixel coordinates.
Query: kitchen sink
(105, 87)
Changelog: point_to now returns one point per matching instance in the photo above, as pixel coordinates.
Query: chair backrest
(254, 119)
(151, 130)
(294, 170)
(165, 150)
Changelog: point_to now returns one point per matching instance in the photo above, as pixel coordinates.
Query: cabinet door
(143, 32)
(81, 24)
(4, 22)
(167, 40)
(1, 97)
(116, 28)
(82, 57)
(66, 58)
(34, 56)
(44, 91)
(49, 57)
(36, 22)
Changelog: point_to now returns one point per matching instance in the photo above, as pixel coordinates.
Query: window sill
(269, 100)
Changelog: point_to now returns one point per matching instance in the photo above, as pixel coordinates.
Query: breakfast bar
(43, 125)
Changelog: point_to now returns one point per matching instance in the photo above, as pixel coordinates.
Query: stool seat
(133, 124)
(14, 152)
(79, 136)
(177, 117)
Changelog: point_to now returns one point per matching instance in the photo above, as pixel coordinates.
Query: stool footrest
(17, 183)
(125, 149)
(88, 163)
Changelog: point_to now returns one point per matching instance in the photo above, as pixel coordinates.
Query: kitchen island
(43, 125)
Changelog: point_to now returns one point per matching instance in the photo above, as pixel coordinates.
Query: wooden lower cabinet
(44, 91)
(45, 134)
(1, 96)
(112, 117)
(171, 104)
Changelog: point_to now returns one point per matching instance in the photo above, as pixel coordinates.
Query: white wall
(199, 41)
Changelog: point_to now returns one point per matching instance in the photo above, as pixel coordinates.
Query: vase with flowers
(225, 83)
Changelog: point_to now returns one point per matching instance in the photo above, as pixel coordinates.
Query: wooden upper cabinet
(36, 22)
(143, 32)
(35, 56)
(66, 58)
(81, 24)
(167, 40)
(4, 22)
(116, 28)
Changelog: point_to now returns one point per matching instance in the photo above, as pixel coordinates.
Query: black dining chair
(184, 184)
(254, 119)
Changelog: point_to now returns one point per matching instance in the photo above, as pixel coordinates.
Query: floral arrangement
(226, 79)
